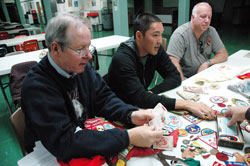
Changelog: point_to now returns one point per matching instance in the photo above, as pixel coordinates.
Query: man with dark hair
(134, 64)
(192, 44)
(63, 91)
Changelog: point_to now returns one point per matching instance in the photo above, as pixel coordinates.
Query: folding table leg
(5, 97)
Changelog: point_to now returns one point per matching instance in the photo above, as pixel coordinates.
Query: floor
(234, 38)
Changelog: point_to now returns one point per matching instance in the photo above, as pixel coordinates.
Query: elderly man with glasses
(192, 44)
(63, 91)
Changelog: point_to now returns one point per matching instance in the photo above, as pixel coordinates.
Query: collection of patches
(225, 136)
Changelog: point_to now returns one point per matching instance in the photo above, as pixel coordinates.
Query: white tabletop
(235, 60)
(108, 42)
(101, 44)
(17, 41)
(30, 29)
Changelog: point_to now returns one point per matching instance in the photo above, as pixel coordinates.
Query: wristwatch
(129, 118)
(209, 62)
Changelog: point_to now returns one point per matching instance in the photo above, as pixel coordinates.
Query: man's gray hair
(57, 29)
(194, 11)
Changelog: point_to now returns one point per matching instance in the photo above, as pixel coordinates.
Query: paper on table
(39, 157)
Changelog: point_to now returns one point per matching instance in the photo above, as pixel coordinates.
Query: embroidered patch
(193, 129)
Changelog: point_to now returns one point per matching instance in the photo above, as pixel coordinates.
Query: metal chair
(17, 120)
(19, 47)
(30, 45)
(4, 35)
(3, 50)
(17, 75)
(94, 61)
(24, 32)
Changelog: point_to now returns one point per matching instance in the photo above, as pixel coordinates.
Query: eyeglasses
(80, 52)
(201, 47)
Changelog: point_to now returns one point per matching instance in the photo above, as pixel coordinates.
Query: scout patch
(206, 131)
(239, 102)
(210, 139)
(200, 83)
(182, 132)
(214, 86)
(221, 157)
(192, 119)
(218, 99)
(193, 129)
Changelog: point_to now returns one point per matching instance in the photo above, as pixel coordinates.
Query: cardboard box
(229, 136)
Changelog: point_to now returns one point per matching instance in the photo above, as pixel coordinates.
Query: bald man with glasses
(63, 91)
(192, 44)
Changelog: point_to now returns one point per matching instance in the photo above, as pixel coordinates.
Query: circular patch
(218, 99)
(221, 105)
(193, 129)
(199, 83)
(223, 110)
(183, 132)
(167, 131)
(247, 149)
(229, 137)
(221, 156)
(214, 86)
(214, 151)
(206, 131)
(239, 102)
(185, 141)
(247, 158)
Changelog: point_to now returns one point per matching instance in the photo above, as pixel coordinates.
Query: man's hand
(202, 67)
(237, 113)
(142, 116)
(199, 109)
(144, 136)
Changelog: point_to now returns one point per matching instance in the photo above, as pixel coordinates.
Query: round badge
(214, 86)
(214, 151)
(206, 131)
(247, 158)
(218, 99)
(247, 149)
(229, 137)
(182, 132)
(239, 102)
(185, 141)
(223, 110)
(221, 156)
(193, 129)
(167, 131)
(221, 105)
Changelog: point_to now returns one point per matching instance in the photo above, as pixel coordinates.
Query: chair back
(19, 27)
(18, 48)
(3, 50)
(94, 61)
(4, 35)
(17, 120)
(24, 32)
(17, 74)
(30, 45)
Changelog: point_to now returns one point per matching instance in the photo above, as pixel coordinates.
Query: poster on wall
(60, 1)
(76, 3)
(70, 3)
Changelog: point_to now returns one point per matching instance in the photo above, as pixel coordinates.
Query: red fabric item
(244, 76)
(175, 135)
(95, 161)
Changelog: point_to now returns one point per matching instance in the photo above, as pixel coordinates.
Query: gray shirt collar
(58, 69)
